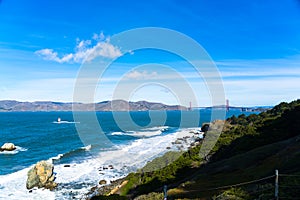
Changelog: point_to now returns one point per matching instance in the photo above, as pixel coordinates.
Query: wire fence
(278, 186)
(289, 186)
(240, 184)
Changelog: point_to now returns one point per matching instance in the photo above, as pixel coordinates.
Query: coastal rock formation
(41, 175)
(8, 147)
(102, 182)
(177, 142)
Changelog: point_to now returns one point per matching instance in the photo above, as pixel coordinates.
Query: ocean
(125, 147)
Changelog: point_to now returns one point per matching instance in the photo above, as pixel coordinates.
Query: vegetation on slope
(250, 147)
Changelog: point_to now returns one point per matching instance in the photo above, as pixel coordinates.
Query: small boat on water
(59, 121)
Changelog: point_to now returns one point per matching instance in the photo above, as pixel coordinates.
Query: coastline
(81, 179)
(82, 175)
(185, 140)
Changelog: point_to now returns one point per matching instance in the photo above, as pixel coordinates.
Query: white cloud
(99, 36)
(260, 68)
(82, 45)
(84, 51)
(48, 54)
(140, 75)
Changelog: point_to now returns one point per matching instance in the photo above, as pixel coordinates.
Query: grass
(249, 148)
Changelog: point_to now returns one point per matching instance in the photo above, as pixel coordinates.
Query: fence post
(276, 184)
(165, 192)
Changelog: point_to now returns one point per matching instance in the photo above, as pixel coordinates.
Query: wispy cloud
(85, 50)
(246, 69)
(260, 68)
(141, 75)
(99, 36)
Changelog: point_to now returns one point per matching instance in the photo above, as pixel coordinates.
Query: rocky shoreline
(42, 174)
(184, 141)
(105, 189)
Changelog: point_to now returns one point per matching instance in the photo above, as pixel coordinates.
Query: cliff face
(115, 105)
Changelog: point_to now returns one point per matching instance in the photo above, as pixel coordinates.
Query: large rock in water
(41, 176)
(8, 147)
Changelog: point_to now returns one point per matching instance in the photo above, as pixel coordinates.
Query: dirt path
(116, 189)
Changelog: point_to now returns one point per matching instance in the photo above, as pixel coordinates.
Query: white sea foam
(76, 179)
(87, 148)
(13, 187)
(147, 132)
(155, 128)
(59, 156)
(117, 133)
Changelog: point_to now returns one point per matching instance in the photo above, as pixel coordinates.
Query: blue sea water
(38, 136)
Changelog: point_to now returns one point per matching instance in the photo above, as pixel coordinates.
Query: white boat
(59, 121)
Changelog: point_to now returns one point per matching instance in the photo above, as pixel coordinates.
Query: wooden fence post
(276, 184)
(165, 192)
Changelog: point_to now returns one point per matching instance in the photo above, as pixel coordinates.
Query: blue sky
(255, 45)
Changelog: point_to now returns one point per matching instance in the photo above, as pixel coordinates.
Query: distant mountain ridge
(242, 108)
(115, 105)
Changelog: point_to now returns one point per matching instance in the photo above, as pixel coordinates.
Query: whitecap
(148, 132)
(65, 122)
(87, 148)
(59, 156)
(117, 133)
(155, 128)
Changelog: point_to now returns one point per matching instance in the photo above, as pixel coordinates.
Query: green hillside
(250, 148)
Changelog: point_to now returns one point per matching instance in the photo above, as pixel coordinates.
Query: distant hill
(115, 105)
(242, 108)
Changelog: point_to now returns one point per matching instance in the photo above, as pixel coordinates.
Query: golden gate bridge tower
(190, 108)
(227, 105)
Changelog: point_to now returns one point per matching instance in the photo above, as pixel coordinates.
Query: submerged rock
(8, 147)
(102, 182)
(178, 142)
(111, 166)
(41, 176)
